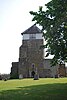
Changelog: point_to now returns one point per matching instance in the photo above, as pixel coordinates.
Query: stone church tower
(30, 55)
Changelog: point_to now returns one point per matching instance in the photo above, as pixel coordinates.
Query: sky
(14, 19)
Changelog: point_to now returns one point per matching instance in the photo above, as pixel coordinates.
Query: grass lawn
(29, 89)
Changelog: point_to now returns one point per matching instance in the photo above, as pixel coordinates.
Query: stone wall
(14, 70)
(62, 70)
(31, 54)
(49, 71)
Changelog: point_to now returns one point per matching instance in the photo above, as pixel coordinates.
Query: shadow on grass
(36, 92)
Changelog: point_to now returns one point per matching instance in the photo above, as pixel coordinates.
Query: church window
(33, 65)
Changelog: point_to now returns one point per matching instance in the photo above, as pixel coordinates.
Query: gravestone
(36, 77)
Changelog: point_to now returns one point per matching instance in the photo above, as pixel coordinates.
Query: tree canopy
(54, 22)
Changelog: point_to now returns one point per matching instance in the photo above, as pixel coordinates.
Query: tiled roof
(32, 30)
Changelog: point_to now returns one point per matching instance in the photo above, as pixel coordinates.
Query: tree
(54, 23)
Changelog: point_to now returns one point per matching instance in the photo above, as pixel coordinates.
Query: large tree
(54, 23)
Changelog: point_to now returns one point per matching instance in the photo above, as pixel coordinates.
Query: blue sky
(14, 19)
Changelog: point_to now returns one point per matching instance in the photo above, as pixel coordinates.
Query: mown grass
(29, 89)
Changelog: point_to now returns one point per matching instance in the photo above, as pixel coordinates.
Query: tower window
(32, 36)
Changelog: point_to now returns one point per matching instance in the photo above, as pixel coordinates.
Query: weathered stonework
(62, 70)
(14, 70)
(31, 58)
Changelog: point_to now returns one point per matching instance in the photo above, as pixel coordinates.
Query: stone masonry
(31, 57)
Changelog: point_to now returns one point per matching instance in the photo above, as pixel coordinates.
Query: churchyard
(29, 89)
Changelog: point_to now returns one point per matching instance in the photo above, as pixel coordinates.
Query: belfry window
(32, 36)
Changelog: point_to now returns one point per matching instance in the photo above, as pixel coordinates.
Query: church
(31, 58)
